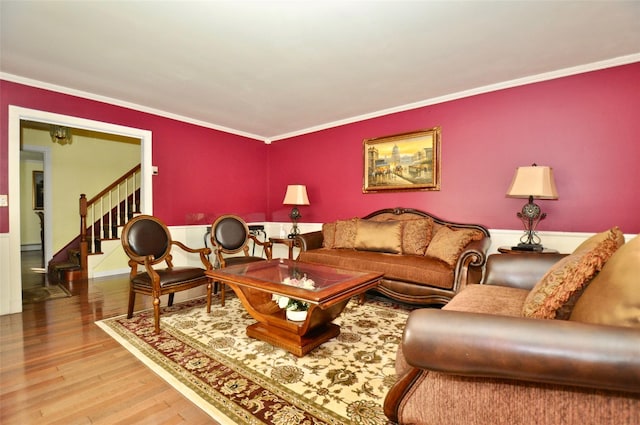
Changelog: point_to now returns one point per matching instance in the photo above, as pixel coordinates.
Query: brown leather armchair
(462, 365)
(230, 235)
(147, 241)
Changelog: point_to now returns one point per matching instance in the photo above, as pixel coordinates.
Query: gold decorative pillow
(380, 236)
(613, 297)
(564, 312)
(328, 235)
(345, 234)
(416, 235)
(447, 244)
(549, 297)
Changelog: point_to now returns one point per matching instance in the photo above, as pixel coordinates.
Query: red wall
(203, 172)
(586, 127)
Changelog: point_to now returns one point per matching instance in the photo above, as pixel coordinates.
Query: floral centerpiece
(291, 304)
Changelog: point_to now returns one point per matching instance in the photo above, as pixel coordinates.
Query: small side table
(290, 243)
(509, 250)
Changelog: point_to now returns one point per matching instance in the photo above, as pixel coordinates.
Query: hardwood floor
(58, 367)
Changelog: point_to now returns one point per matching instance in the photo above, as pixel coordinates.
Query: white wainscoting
(564, 242)
(10, 293)
(194, 236)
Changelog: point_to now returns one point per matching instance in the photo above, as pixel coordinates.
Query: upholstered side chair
(231, 240)
(147, 242)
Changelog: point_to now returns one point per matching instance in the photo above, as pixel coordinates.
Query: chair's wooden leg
(222, 285)
(156, 314)
(209, 291)
(132, 301)
(171, 299)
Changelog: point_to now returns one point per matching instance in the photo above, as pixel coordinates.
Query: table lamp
(296, 195)
(533, 183)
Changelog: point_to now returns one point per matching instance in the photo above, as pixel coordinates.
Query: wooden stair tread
(64, 266)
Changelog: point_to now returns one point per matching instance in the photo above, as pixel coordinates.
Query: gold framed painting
(38, 190)
(407, 161)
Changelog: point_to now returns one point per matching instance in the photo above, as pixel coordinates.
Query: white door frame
(47, 249)
(11, 290)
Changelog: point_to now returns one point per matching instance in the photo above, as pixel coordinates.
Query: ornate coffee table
(255, 283)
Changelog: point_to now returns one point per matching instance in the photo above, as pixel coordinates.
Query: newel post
(84, 248)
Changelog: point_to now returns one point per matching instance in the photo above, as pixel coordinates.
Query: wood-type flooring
(58, 367)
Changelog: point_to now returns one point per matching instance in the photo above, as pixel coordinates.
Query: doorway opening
(85, 163)
(13, 303)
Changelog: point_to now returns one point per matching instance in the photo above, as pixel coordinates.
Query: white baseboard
(31, 247)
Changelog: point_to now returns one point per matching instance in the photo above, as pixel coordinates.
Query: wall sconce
(60, 134)
(533, 183)
(296, 195)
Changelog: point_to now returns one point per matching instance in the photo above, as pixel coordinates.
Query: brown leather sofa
(478, 361)
(419, 279)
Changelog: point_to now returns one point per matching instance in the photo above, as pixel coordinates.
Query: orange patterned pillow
(328, 235)
(345, 234)
(447, 244)
(549, 297)
(416, 235)
(594, 240)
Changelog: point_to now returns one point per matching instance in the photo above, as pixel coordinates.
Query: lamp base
(295, 216)
(536, 247)
(294, 231)
(530, 217)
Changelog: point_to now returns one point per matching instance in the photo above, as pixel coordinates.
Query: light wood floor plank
(58, 367)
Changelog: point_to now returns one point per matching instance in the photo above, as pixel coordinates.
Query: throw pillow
(599, 237)
(345, 234)
(380, 236)
(416, 235)
(447, 244)
(549, 298)
(613, 297)
(565, 310)
(328, 235)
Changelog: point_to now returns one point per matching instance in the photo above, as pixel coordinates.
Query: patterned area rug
(240, 380)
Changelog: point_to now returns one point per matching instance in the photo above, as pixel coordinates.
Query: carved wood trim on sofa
(468, 269)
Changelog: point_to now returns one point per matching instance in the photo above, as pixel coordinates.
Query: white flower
(283, 302)
(288, 303)
(303, 282)
(291, 304)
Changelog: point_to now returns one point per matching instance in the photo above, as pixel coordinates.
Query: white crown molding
(609, 63)
(86, 95)
(595, 66)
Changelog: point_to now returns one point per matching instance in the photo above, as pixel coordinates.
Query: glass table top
(312, 277)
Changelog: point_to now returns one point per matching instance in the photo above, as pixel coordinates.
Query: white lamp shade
(296, 195)
(536, 181)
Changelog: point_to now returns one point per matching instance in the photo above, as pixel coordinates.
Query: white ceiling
(273, 69)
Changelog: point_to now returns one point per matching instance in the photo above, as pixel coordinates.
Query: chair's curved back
(230, 234)
(146, 235)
